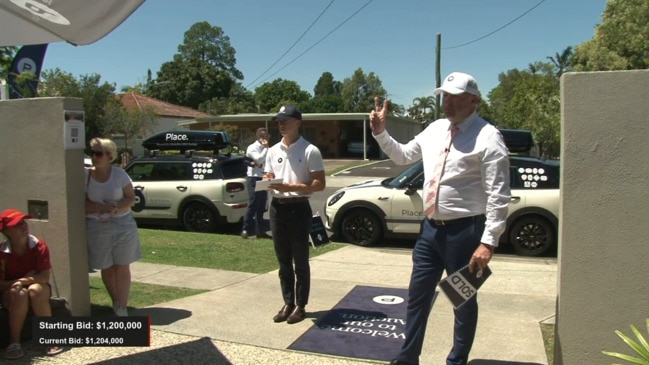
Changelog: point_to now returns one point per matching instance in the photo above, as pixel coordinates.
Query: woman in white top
(113, 241)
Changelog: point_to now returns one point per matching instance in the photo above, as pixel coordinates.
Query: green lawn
(206, 250)
(547, 331)
(213, 251)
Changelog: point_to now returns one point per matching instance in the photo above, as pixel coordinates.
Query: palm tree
(562, 61)
(423, 107)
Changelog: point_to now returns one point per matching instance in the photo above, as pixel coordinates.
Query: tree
(359, 90)
(240, 100)
(326, 85)
(561, 61)
(620, 42)
(526, 100)
(190, 82)
(131, 124)
(323, 104)
(23, 82)
(423, 108)
(203, 69)
(6, 58)
(95, 95)
(270, 96)
(210, 44)
(236, 144)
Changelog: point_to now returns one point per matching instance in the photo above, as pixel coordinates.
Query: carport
(331, 132)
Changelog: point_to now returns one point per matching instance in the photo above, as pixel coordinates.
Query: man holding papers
(299, 164)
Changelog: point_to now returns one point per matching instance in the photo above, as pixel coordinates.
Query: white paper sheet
(264, 184)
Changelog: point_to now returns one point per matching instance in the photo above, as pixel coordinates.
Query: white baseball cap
(457, 83)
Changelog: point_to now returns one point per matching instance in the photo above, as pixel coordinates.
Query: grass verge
(213, 251)
(547, 331)
(142, 295)
(205, 250)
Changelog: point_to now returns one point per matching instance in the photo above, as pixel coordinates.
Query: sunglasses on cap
(96, 153)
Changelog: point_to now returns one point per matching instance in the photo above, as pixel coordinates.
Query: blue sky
(394, 39)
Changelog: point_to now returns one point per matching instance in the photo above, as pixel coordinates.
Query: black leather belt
(464, 220)
(302, 199)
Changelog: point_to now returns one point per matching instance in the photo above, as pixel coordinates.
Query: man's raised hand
(379, 115)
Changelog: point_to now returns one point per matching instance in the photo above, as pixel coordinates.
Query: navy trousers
(290, 224)
(439, 248)
(256, 208)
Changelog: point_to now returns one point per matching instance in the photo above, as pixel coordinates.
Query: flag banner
(28, 59)
(462, 285)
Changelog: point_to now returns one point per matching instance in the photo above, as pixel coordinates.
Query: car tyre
(532, 235)
(361, 227)
(198, 217)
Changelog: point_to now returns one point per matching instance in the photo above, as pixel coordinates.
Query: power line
(497, 30)
(321, 39)
(293, 45)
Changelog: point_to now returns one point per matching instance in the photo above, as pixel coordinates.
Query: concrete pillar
(603, 249)
(39, 176)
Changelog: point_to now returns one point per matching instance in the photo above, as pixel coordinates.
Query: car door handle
(181, 188)
(516, 199)
(138, 187)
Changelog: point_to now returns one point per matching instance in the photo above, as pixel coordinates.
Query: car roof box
(518, 140)
(185, 141)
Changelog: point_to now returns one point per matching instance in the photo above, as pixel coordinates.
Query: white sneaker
(121, 312)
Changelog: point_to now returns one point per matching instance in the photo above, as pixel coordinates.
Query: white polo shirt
(293, 164)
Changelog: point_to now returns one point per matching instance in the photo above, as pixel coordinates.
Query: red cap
(12, 217)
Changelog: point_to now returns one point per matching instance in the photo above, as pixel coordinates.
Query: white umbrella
(24, 22)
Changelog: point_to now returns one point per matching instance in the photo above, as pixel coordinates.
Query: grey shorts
(113, 242)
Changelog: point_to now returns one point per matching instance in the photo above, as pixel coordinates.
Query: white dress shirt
(476, 173)
(256, 152)
(294, 164)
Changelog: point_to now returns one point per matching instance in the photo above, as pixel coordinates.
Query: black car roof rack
(518, 140)
(187, 142)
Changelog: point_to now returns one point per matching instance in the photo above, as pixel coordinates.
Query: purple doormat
(368, 323)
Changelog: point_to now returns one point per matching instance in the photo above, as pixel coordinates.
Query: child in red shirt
(24, 277)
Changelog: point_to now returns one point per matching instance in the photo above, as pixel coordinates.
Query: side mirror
(410, 189)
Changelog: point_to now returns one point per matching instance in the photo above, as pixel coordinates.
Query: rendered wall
(604, 247)
(35, 166)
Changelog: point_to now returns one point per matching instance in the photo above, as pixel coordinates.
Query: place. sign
(187, 140)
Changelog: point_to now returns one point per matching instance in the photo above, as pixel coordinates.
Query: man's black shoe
(264, 235)
(284, 313)
(297, 316)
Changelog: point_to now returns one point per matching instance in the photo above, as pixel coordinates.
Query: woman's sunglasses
(96, 153)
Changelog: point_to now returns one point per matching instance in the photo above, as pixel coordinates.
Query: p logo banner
(139, 201)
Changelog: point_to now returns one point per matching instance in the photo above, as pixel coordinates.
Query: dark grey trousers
(290, 225)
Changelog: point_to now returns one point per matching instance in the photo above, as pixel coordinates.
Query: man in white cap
(465, 198)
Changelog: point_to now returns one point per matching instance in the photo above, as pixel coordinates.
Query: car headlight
(334, 199)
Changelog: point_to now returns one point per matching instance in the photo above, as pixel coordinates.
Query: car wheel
(361, 227)
(531, 235)
(198, 217)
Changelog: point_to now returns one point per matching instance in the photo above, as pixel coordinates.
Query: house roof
(132, 100)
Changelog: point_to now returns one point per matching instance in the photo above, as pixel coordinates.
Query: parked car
(87, 161)
(199, 191)
(368, 212)
(357, 147)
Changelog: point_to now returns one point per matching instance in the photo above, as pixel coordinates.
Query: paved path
(231, 322)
